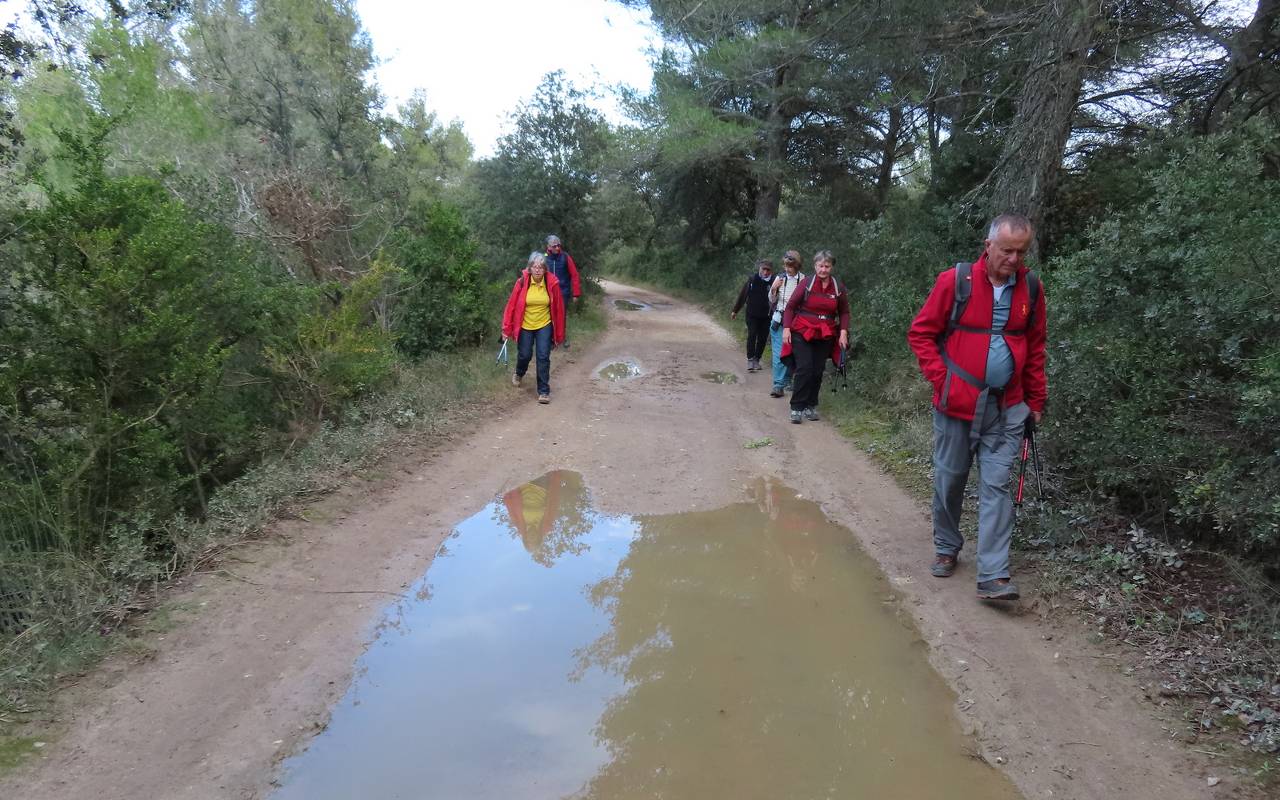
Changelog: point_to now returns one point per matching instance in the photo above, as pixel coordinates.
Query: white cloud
(478, 59)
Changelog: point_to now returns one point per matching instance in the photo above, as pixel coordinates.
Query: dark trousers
(757, 336)
(525, 345)
(811, 361)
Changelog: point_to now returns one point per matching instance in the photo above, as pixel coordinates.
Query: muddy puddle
(553, 651)
(720, 377)
(620, 370)
(630, 305)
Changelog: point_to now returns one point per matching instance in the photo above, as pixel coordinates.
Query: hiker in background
(779, 293)
(755, 296)
(560, 264)
(815, 322)
(980, 341)
(534, 317)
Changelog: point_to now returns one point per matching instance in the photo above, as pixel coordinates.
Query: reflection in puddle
(630, 305)
(562, 653)
(720, 377)
(620, 371)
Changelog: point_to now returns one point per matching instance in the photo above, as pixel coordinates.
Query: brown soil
(248, 677)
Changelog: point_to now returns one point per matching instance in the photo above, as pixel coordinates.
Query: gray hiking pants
(997, 448)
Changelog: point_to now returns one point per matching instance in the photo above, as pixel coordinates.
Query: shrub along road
(263, 648)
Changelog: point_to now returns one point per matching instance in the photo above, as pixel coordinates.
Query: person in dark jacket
(987, 373)
(534, 317)
(755, 296)
(560, 264)
(815, 322)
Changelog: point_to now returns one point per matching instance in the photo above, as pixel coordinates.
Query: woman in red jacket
(534, 317)
(815, 322)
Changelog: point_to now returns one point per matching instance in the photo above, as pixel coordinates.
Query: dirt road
(269, 642)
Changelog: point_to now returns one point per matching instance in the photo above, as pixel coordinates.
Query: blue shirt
(999, 359)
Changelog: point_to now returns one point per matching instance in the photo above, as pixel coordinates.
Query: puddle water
(552, 651)
(620, 371)
(720, 377)
(630, 305)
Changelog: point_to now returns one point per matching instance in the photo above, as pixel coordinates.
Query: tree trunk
(934, 126)
(771, 165)
(1031, 159)
(888, 154)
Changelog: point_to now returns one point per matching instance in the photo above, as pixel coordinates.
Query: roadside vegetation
(230, 278)
(890, 136)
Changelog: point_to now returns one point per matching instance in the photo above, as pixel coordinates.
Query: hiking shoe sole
(796, 418)
(997, 590)
(776, 392)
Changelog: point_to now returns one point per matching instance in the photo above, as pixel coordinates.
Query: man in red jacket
(984, 357)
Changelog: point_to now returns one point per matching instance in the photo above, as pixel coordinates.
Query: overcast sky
(477, 59)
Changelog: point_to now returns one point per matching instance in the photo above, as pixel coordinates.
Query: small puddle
(553, 651)
(720, 377)
(620, 371)
(630, 305)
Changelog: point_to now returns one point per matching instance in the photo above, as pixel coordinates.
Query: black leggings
(757, 336)
(811, 361)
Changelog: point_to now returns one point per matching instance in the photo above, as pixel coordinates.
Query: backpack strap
(963, 290)
(835, 288)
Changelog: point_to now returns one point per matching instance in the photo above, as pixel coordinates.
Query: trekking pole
(1035, 457)
(1028, 442)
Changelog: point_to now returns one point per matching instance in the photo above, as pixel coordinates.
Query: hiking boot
(796, 417)
(944, 566)
(751, 365)
(544, 398)
(998, 589)
(776, 392)
(565, 344)
(811, 414)
(516, 378)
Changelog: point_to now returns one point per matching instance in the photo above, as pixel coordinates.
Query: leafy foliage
(540, 179)
(126, 320)
(1166, 359)
(446, 301)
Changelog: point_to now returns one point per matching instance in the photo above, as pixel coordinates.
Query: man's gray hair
(537, 258)
(553, 239)
(824, 255)
(1016, 223)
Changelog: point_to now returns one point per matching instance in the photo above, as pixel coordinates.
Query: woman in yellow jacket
(534, 317)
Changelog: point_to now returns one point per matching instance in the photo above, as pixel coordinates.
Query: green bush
(338, 353)
(124, 318)
(1165, 337)
(447, 301)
